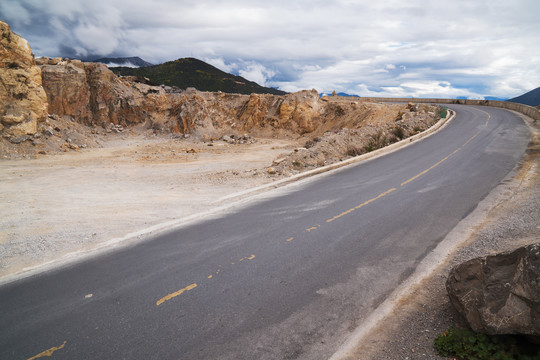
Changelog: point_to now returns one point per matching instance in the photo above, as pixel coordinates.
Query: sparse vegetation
(353, 151)
(466, 344)
(377, 141)
(442, 110)
(398, 132)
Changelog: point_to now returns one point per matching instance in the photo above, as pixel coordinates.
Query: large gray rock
(499, 294)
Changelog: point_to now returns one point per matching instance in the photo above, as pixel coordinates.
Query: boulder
(499, 294)
(23, 102)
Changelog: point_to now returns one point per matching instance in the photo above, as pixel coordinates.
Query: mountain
(133, 61)
(532, 98)
(190, 72)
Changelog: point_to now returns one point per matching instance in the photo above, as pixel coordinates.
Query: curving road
(288, 276)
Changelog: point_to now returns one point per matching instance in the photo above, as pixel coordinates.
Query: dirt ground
(61, 203)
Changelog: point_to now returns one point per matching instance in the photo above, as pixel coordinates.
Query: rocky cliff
(91, 95)
(22, 97)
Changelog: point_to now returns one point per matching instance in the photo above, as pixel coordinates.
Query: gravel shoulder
(65, 203)
(510, 218)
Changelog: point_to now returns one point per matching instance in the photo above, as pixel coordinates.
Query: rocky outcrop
(499, 294)
(23, 102)
(90, 93)
(66, 87)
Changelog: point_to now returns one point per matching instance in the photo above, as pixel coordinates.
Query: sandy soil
(64, 202)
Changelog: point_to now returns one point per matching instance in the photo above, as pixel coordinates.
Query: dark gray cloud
(414, 48)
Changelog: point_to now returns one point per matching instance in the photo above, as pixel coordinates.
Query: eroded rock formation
(22, 97)
(499, 294)
(74, 92)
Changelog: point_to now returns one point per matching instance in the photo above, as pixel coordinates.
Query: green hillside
(190, 72)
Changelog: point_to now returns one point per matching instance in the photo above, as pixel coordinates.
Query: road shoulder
(416, 314)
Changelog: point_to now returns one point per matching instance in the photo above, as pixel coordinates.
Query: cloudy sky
(419, 48)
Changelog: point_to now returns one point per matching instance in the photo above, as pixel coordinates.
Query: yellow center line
(313, 228)
(194, 285)
(472, 137)
(453, 153)
(175, 294)
(290, 239)
(425, 171)
(247, 258)
(361, 205)
(49, 352)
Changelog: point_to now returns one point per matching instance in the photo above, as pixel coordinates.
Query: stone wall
(530, 111)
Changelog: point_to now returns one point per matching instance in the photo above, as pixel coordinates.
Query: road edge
(220, 206)
(441, 124)
(458, 237)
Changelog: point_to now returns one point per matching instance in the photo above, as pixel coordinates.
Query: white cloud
(16, 12)
(483, 47)
(221, 65)
(256, 72)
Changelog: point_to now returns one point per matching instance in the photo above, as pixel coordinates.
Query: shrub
(353, 151)
(442, 111)
(466, 344)
(398, 132)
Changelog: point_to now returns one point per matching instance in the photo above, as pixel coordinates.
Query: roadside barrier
(530, 111)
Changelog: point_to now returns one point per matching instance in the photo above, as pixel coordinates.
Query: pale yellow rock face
(23, 102)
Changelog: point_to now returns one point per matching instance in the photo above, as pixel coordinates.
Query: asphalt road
(288, 276)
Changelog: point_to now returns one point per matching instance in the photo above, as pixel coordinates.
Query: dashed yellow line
(175, 294)
(290, 239)
(48, 352)
(247, 258)
(361, 205)
(194, 285)
(313, 228)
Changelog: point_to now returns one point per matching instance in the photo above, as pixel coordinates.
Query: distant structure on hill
(532, 98)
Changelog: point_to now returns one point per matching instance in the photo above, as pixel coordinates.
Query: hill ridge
(531, 98)
(191, 72)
